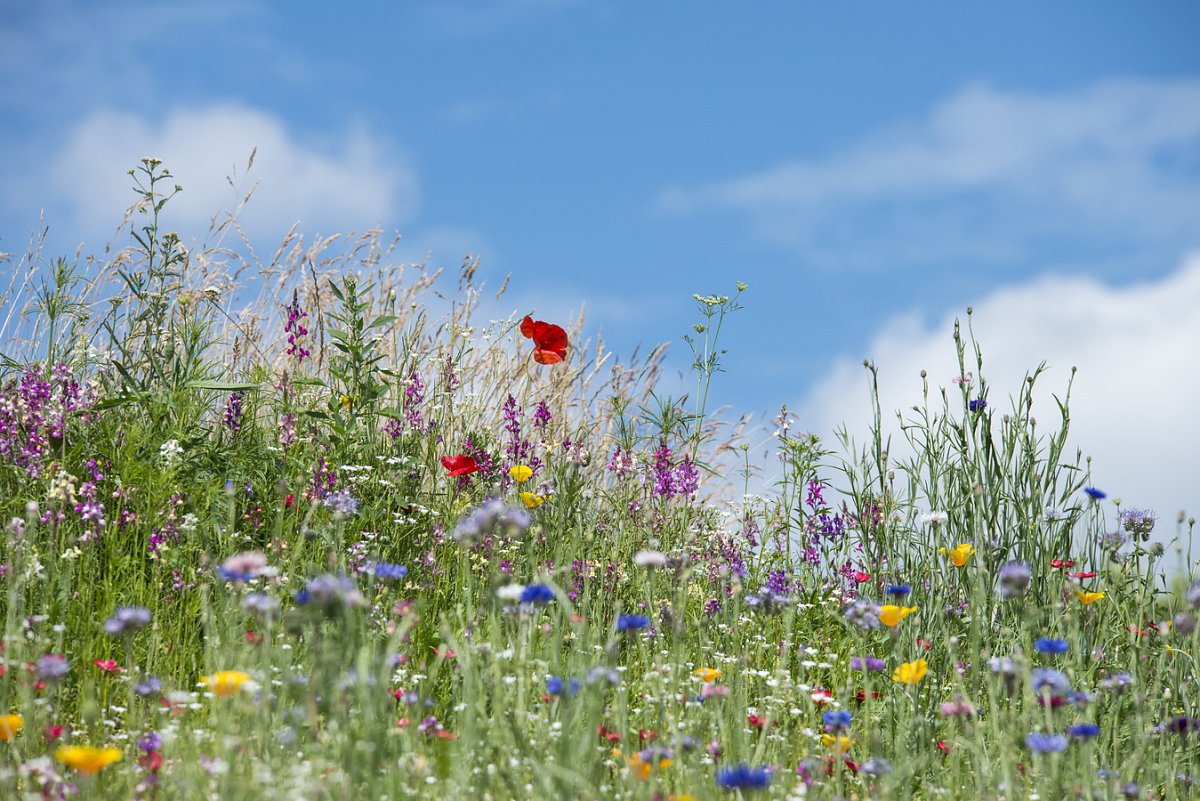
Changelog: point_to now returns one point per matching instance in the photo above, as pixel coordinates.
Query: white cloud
(988, 175)
(354, 182)
(1137, 350)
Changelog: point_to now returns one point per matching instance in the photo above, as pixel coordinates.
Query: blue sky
(869, 170)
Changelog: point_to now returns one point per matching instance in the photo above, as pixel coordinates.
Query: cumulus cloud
(354, 181)
(1137, 350)
(989, 175)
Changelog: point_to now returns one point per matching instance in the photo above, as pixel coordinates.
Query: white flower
(934, 519)
(169, 452)
(651, 559)
(510, 592)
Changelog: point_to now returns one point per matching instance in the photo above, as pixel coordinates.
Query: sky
(869, 170)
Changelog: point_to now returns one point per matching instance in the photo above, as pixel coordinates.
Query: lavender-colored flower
(385, 571)
(245, 566)
(664, 475)
(871, 663)
(1112, 541)
(294, 327)
(1193, 595)
(687, 479)
(261, 606)
(1181, 724)
(330, 594)
(1116, 683)
(342, 503)
(52, 667)
(1006, 669)
(1138, 522)
(769, 601)
(864, 614)
(977, 405)
(1049, 679)
(876, 766)
(1014, 579)
(127, 620)
(603, 674)
(150, 741)
(1040, 743)
(148, 686)
(493, 514)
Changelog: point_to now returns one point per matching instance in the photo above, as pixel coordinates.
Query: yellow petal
(520, 473)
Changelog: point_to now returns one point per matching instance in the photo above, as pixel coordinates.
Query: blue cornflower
(1083, 730)
(898, 590)
(387, 571)
(978, 405)
(1095, 494)
(554, 685)
(537, 594)
(743, 777)
(632, 622)
(837, 720)
(1045, 743)
(1050, 645)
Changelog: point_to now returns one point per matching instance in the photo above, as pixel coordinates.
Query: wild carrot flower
(225, 683)
(1088, 598)
(891, 615)
(960, 554)
(10, 725)
(911, 672)
(87, 759)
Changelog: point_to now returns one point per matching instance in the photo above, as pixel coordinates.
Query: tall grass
(236, 555)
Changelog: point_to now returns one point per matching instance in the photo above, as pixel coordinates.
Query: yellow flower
(9, 726)
(959, 555)
(891, 615)
(530, 500)
(87, 758)
(520, 473)
(225, 683)
(1090, 597)
(707, 675)
(843, 743)
(911, 672)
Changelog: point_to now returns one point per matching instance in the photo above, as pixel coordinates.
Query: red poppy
(549, 340)
(1059, 564)
(1083, 575)
(647, 735)
(461, 465)
(108, 665)
(608, 734)
(944, 747)
(861, 577)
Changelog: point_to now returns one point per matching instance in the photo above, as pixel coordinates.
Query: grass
(238, 564)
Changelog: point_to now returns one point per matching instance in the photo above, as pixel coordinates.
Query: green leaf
(225, 386)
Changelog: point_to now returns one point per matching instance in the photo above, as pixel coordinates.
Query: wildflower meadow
(354, 542)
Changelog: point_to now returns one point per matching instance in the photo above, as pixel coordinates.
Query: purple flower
(126, 620)
(52, 667)
(977, 405)
(1047, 645)
(837, 720)
(1083, 731)
(1014, 579)
(871, 663)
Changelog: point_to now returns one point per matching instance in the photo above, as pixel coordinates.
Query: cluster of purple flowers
(671, 479)
(35, 410)
(126, 620)
(294, 327)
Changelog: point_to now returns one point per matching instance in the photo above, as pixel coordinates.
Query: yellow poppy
(707, 675)
(959, 555)
(10, 725)
(87, 759)
(911, 672)
(225, 683)
(842, 743)
(530, 500)
(891, 615)
(520, 473)
(1090, 597)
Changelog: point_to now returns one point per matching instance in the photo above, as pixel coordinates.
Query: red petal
(527, 327)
